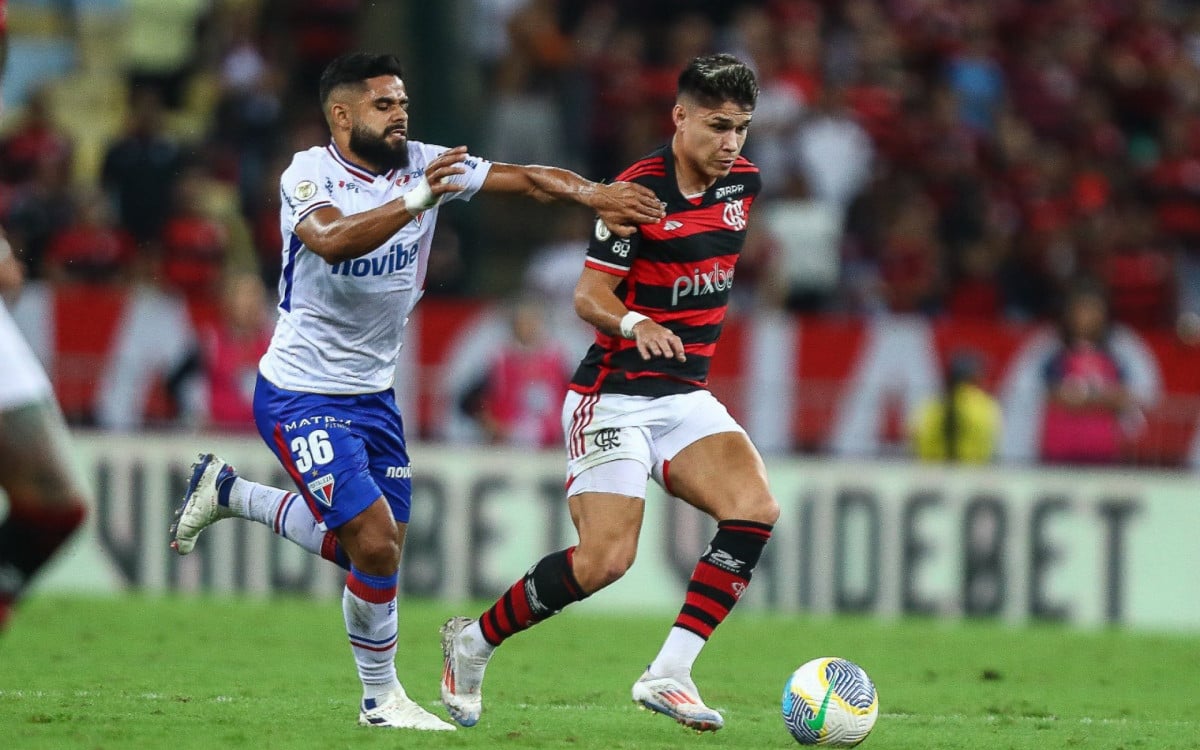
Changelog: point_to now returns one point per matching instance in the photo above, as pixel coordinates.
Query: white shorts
(22, 379)
(615, 442)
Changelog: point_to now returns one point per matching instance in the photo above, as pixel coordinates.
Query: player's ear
(678, 114)
(339, 115)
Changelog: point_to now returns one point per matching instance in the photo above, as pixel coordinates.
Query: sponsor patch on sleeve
(305, 190)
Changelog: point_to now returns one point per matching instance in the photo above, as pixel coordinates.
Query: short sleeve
(475, 171)
(609, 252)
(303, 190)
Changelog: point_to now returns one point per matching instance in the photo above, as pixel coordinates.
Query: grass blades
(157, 672)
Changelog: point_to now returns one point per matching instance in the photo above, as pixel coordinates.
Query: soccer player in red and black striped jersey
(638, 406)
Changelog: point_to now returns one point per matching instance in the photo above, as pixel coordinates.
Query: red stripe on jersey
(649, 374)
(653, 162)
(646, 172)
(697, 274)
(709, 316)
(700, 349)
(708, 219)
(599, 265)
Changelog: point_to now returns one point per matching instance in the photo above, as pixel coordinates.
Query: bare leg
(46, 499)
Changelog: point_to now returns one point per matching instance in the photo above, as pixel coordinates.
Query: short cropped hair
(354, 69)
(713, 80)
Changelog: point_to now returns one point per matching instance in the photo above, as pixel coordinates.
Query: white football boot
(678, 698)
(462, 673)
(200, 508)
(397, 711)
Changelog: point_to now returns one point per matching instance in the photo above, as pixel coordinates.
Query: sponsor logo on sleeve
(602, 232)
(305, 190)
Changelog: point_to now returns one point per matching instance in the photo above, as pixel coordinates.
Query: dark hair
(713, 80)
(354, 69)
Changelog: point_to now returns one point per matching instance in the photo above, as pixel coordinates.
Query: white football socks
(473, 641)
(369, 608)
(284, 512)
(678, 653)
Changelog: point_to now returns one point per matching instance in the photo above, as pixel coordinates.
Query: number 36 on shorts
(313, 449)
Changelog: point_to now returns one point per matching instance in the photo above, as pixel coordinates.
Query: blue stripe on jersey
(289, 270)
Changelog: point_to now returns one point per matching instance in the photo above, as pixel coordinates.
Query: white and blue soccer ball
(831, 702)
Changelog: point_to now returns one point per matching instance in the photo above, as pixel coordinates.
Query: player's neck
(690, 179)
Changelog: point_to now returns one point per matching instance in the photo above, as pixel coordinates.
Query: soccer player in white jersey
(45, 498)
(358, 217)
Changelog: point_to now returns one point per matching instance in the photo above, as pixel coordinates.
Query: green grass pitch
(166, 672)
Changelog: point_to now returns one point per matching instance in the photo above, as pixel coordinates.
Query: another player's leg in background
(723, 476)
(215, 491)
(45, 497)
(608, 527)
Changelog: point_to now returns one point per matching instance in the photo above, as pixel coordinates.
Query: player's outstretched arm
(621, 205)
(596, 302)
(337, 237)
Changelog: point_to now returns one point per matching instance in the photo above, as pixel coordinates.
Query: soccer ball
(830, 701)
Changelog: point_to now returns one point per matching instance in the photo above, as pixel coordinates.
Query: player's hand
(435, 183)
(445, 166)
(622, 206)
(654, 340)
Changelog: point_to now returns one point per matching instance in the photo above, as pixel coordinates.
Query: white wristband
(419, 198)
(628, 321)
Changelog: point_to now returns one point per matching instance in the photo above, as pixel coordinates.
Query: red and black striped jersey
(678, 272)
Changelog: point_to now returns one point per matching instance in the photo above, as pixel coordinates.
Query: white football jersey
(22, 379)
(340, 326)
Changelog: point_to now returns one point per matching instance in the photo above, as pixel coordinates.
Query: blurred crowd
(965, 158)
(957, 157)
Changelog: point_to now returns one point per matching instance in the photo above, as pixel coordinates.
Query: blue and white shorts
(343, 452)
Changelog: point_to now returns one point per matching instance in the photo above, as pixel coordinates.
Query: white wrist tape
(419, 198)
(628, 321)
